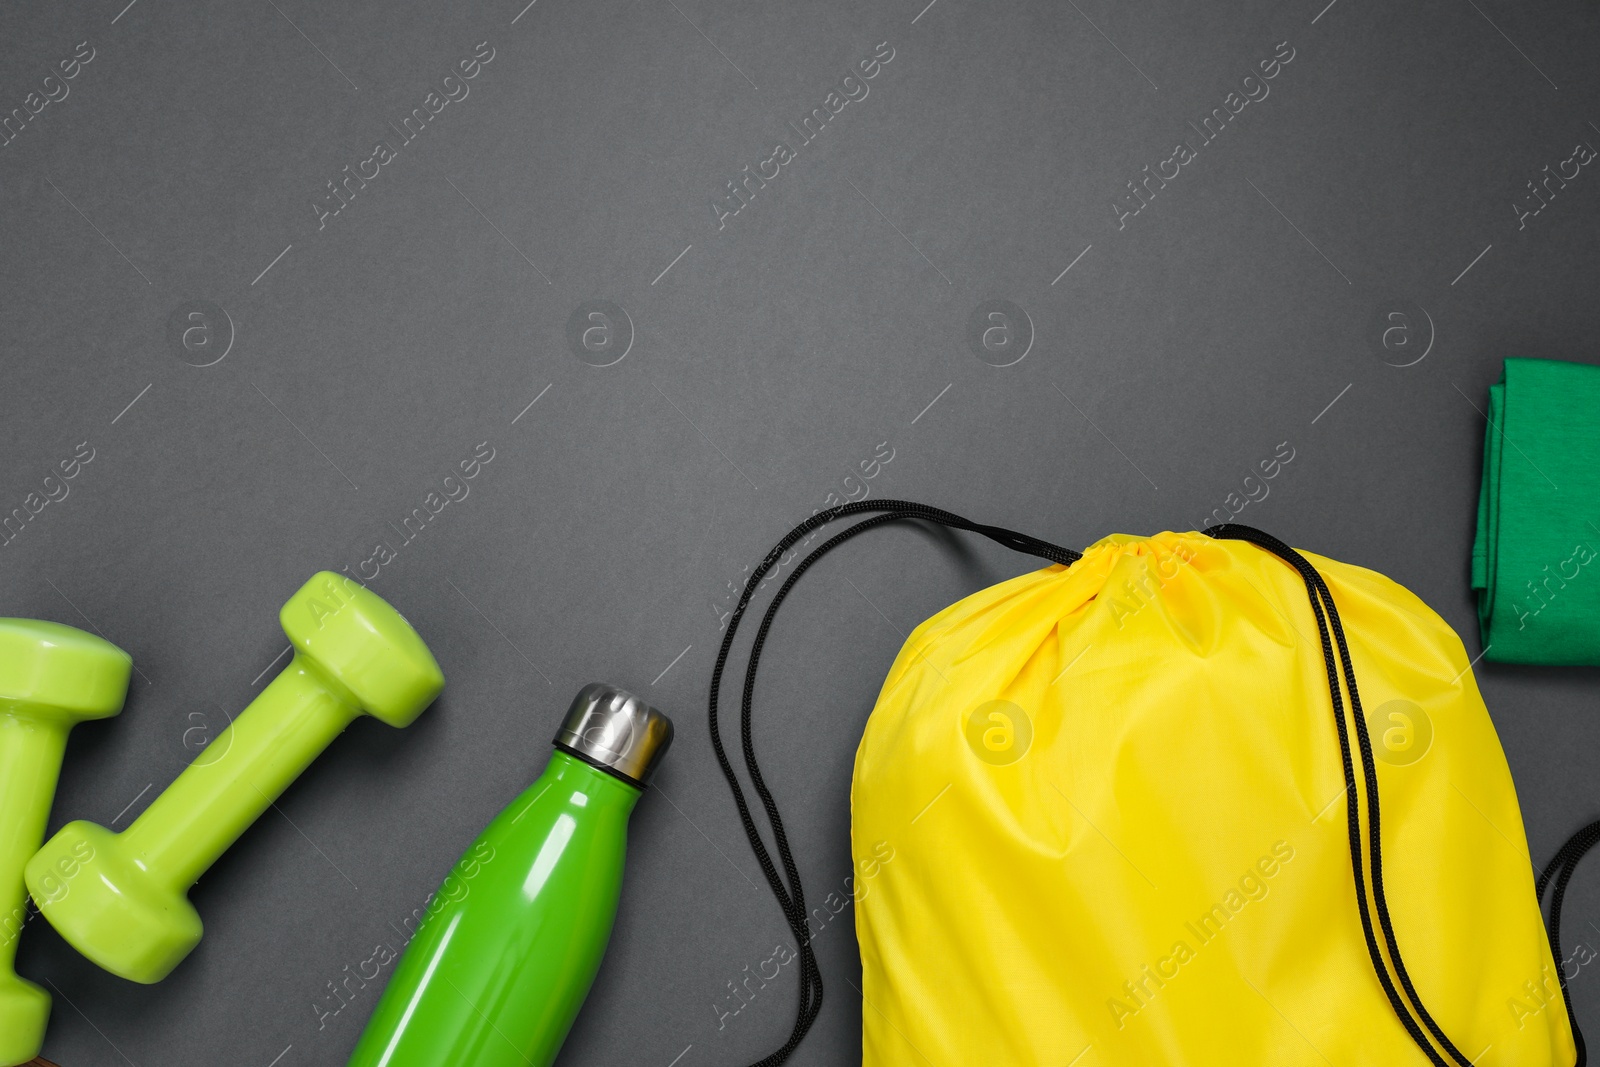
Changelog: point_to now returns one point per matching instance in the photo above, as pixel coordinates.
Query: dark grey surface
(766, 365)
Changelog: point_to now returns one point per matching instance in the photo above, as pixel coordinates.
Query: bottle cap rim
(617, 731)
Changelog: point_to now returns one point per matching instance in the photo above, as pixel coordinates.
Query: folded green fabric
(1536, 557)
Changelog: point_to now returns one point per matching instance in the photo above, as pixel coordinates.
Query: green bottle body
(511, 943)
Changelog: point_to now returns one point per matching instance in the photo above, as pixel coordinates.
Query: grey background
(768, 363)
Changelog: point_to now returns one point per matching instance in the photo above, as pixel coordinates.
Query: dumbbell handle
(206, 809)
(30, 762)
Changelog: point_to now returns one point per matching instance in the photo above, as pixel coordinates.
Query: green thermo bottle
(510, 944)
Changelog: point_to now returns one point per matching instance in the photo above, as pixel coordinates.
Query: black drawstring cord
(788, 890)
(1327, 616)
(1560, 867)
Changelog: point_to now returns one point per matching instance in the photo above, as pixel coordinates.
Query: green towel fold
(1536, 557)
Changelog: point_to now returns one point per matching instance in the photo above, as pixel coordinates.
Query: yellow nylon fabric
(1163, 876)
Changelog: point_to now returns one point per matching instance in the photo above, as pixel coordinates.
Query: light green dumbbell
(51, 678)
(127, 906)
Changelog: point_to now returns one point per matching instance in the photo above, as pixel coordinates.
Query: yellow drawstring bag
(1193, 799)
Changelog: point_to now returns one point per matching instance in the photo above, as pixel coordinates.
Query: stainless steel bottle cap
(615, 729)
